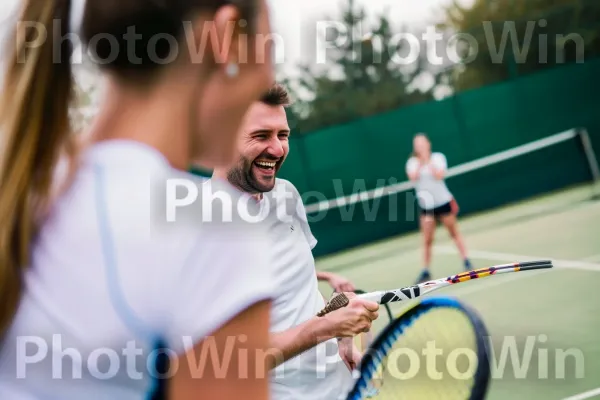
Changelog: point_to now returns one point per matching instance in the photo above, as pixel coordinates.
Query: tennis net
(581, 137)
(539, 167)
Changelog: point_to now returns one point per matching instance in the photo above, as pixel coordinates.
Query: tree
(515, 38)
(363, 77)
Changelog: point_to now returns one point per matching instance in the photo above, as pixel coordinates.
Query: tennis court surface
(550, 320)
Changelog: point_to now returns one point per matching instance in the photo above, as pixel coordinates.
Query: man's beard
(243, 178)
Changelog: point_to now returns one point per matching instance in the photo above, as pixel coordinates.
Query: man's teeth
(265, 164)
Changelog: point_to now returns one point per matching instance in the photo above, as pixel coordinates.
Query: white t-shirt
(319, 373)
(431, 192)
(110, 278)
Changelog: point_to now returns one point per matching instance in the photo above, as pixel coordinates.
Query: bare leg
(450, 222)
(428, 230)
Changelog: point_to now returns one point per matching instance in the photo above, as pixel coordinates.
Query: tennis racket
(418, 290)
(388, 311)
(436, 349)
(363, 340)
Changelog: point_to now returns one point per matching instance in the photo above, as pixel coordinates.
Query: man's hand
(353, 319)
(337, 282)
(349, 353)
(348, 321)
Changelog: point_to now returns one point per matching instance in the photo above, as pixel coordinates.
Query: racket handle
(341, 300)
(337, 302)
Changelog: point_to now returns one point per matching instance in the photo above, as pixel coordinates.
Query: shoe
(424, 276)
(468, 265)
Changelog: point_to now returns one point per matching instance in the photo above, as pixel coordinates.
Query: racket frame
(375, 354)
(414, 291)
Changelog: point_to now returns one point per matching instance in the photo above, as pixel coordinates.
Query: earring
(232, 70)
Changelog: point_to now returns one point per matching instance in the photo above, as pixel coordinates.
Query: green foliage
(513, 38)
(361, 78)
(517, 37)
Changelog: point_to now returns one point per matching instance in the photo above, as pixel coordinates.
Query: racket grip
(339, 301)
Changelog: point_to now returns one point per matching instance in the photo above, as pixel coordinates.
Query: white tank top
(110, 279)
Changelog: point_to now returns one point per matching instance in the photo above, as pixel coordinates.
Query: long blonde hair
(34, 121)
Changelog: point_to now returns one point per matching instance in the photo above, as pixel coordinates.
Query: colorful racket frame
(412, 292)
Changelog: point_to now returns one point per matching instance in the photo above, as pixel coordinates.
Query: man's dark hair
(277, 95)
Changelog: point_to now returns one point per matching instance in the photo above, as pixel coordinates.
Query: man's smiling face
(263, 147)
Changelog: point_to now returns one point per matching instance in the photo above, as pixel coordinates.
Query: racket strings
(433, 357)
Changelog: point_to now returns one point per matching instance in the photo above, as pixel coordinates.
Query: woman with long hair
(96, 280)
(435, 201)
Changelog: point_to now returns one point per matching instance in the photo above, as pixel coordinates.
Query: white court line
(593, 258)
(508, 257)
(585, 395)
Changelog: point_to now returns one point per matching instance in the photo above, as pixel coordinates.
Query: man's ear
(215, 38)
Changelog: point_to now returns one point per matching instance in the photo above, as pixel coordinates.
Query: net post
(590, 156)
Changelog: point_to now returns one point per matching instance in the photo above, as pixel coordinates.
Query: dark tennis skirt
(448, 208)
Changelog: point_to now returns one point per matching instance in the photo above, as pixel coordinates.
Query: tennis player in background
(436, 202)
(316, 365)
(86, 263)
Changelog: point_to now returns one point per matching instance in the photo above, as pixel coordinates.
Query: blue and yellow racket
(437, 349)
